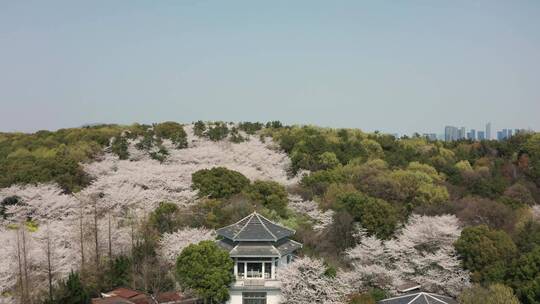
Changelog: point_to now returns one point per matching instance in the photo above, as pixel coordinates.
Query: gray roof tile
(287, 247)
(254, 249)
(255, 227)
(419, 298)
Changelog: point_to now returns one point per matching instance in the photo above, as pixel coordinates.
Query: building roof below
(419, 298)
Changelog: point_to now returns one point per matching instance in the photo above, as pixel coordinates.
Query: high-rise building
(481, 135)
(461, 133)
(451, 133)
(471, 134)
(504, 134)
(488, 131)
(500, 135)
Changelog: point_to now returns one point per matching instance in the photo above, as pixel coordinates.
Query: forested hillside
(116, 205)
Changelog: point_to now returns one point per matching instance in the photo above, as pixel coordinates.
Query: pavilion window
(241, 269)
(254, 270)
(267, 270)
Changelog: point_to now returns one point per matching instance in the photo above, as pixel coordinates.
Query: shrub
(198, 128)
(250, 127)
(217, 132)
(236, 137)
(119, 146)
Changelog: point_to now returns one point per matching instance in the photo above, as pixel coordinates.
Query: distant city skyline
(389, 66)
(452, 133)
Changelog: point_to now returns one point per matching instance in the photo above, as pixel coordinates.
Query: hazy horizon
(397, 67)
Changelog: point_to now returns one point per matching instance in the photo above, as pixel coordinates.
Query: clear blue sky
(395, 66)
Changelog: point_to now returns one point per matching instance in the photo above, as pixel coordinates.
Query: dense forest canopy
(372, 210)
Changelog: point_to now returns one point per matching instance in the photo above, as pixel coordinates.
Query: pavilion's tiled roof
(288, 247)
(255, 228)
(226, 244)
(419, 298)
(254, 249)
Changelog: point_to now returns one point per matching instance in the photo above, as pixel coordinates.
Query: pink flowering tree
(422, 252)
(306, 281)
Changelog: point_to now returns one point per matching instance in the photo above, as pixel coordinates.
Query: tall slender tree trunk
(19, 258)
(96, 237)
(81, 236)
(110, 240)
(110, 250)
(133, 251)
(25, 263)
(49, 269)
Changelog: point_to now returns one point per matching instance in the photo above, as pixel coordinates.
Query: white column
(235, 267)
(273, 268)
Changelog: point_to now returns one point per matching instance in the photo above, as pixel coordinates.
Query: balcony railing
(249, 282)
(257, 283)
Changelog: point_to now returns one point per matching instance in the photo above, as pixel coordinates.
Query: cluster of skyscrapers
(452, 133)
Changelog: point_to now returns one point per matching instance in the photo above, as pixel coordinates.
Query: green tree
(236, 137)
(8, 201)
(147, 142)
(173, 131)
(118, 274)
(373, 148)
(72, 291)
(528, 236)
(519, 194)
(160, 155)
(168, 129)
(494, 294)
(524, 275)
(119, 146)
(532, 148)
(485, 252)
(219, 182)
(319, 181)
(217, 131)
(418, 187)
(164, 218)
(328, 160)
(207, 270)
(270, 194)
(375, 215)
(250, 127)
(198, 128)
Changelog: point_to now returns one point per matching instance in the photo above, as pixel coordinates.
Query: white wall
(272, 297)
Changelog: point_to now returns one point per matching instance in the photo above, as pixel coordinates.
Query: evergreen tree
(207, 270)
(72, 291)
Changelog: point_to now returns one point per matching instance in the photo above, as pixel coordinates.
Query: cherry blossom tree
(322, 219)
(305, 281)
(172, 244)
(422, 252)
(43, 201)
